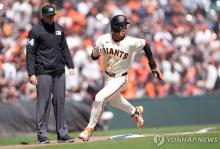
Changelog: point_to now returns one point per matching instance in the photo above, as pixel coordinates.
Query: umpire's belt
(115, 75)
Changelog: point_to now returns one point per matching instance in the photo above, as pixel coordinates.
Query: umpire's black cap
(48, 10)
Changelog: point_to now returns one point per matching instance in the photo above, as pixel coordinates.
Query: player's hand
(156, 72)
(71, 71)
(33, 79)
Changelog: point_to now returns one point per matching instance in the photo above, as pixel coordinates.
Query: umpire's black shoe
(43, 140)
(65, 139)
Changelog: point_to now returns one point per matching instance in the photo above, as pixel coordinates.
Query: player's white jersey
(118, 55)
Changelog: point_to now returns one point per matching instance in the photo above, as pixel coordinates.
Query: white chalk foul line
(125, 136)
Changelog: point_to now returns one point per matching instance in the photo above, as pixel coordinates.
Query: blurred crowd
(183, 34)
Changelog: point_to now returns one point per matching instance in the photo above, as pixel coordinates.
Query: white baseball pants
(112, 93)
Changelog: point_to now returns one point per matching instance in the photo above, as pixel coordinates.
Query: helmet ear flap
(116, 28)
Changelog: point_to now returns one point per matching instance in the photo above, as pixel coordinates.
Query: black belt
(114, 74)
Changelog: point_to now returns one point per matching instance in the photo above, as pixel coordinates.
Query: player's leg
(112, 87)
(43, 106)
(97, 108)
(120, 102)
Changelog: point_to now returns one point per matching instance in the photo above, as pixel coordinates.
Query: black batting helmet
(117, 22)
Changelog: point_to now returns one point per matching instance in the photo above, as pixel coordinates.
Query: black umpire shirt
(47, 50)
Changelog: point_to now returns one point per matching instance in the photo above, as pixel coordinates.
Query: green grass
(157, 130)
(136, 143)
(139, 143)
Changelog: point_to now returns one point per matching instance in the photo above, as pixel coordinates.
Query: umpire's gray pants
(48, 84)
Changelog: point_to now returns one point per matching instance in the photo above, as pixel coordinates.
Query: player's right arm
(96, 51)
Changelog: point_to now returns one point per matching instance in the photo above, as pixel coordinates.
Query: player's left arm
(153, 66)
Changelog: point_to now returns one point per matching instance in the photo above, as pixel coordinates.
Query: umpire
(47, 55)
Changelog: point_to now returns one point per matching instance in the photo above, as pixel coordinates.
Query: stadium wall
(19, 117)
(172, 111)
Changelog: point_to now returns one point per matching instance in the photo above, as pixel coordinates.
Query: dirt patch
(53, 142)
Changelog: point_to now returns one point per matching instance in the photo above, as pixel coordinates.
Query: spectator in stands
(188, 31)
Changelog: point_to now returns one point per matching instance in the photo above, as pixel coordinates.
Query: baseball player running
(117, 49)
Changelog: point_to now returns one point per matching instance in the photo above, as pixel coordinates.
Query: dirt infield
(53, 142)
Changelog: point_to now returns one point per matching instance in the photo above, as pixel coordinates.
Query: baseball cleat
(84, 135)
(138, 116)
